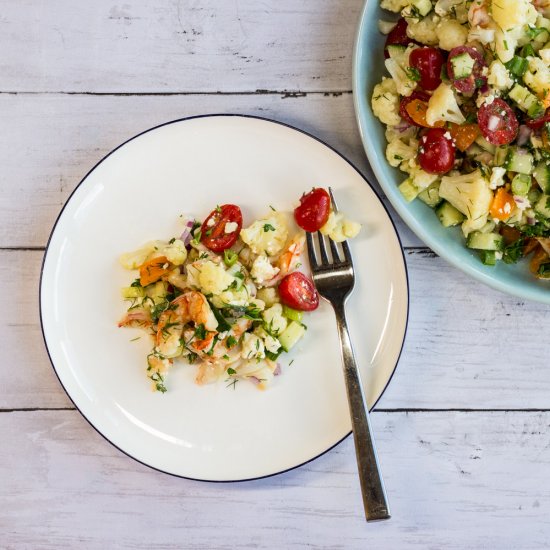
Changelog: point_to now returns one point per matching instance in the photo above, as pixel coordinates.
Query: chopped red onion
(523, 135)
(186, 235)
(531, 221)
(254, 380)
(277, 370)
(403, 126)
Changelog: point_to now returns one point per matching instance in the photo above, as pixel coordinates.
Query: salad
(226, 298)
(466, 106)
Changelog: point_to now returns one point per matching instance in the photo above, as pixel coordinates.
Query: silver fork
(335, 280)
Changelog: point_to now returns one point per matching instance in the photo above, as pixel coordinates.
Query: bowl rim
(525, 291)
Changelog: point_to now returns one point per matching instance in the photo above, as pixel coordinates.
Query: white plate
(136, 194)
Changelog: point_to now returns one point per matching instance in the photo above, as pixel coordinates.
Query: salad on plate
(466, 106)
(228, 298)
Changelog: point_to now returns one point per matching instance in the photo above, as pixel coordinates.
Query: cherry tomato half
(314, 209)
(213, 230)
(437, 152)
(298, 292)
(422, 96)
(428, 63)
(467, 84)
(398, 35)
(537, 123)
(497, 122)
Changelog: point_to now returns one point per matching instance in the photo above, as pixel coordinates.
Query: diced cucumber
(129, 292)
(292, 333)
(485, 241)
(517, 65)
(500, 155)
(489, 227)
(519, 160)
(526, 101)
(463, 65)
(430, 195)
(157, 292)
(488, 257)
(521, 184)
(422, 7)
(484, 144)
(534, 195)
(542, 175)
(409, 190)
(293, 314)
(543, 206)
(448, 215)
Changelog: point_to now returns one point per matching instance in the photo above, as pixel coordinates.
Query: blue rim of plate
(536, 290)
(183, 120)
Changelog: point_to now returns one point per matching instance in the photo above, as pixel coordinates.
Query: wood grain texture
(177, 45)
(452, 357)
(50, 142)
(452, 483)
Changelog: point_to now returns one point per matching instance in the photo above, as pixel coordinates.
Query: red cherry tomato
(538, 123)
(428, 63)
(298, 292)
(422, 96)
(470, 83)
(497, 122)
(437, 152)
(398, 35)
(213, 229)
(314, 210)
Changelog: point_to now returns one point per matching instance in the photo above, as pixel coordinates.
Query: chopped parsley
(268, 227)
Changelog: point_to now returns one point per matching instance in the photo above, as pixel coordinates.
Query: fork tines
(318, 253)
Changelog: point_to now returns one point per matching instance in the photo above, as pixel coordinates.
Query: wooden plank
(453, 356)
(452, 483)
(50, 142)
(141, 46)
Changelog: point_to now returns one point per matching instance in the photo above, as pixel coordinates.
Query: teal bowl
(368, 68)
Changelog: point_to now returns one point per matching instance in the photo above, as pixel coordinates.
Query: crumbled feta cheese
(230, 227)
(274, 319)
(211, 222)
(262, 270)
(272, 344)
(497, 175)
(507, 208)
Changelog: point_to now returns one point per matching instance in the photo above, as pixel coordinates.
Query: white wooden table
(463, 429)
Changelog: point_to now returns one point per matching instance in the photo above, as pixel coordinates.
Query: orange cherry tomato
(152, 270)
(464, 135)
(417, 109)
(503, 205)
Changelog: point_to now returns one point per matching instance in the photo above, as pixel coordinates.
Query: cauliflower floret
(420, 178)
(252, 347)
(424, 31)
(537, 76)
(468, 193)
(175, 252)
(232, 297)
(505, 45)
(262, 270)
(338, 228)
(274, 320)
(132, 260)
(451, 34)
(397, 151)
(398, 69)
(268, 235)
(499, 77)
(398, 133)
(480, 34)
(213, 278)
(457, 9)
(545, 55)
(509, 14)
(385, 102)
(271, 344)
(443, 106)
(394, 5)
(269, 296)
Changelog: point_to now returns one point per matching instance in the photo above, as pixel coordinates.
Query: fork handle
(372, 484)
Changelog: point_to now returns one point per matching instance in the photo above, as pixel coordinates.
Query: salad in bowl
(465, 103)
(227, 298)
